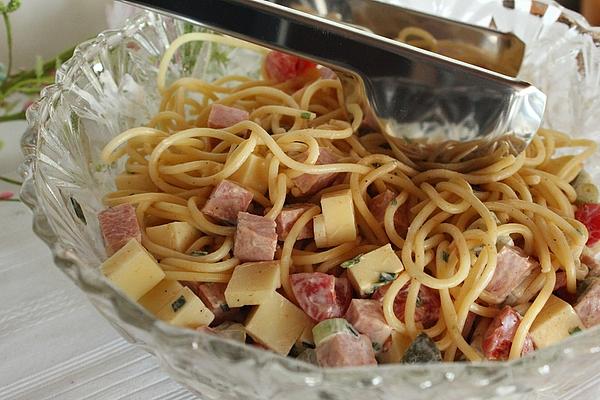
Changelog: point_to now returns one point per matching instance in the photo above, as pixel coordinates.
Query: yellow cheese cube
(251, 283)
(555, 322)
(133, 270)
(338, 215)
(276, 323)
(319, 231)
(368, 271)
(253, 174)
(186, 310)
(178, 236)
(398, 345)
(306, 339)
(135, 182)
(162, 294)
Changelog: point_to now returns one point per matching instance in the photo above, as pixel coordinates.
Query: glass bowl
(110, 85)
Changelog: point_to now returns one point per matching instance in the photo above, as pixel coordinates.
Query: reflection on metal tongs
(430, 106)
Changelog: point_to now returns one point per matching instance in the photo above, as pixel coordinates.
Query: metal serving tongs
(430, 107)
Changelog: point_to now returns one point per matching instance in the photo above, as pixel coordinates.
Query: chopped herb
(78, 210)
(385, 277)
(574, 330)
(305, 115)
(376, 347)
(394, 202)
(224, 307)
(445, 256)
(177, 304)
(352, 262)
(197, 253)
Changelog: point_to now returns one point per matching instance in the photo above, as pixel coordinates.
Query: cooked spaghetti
(471, 255)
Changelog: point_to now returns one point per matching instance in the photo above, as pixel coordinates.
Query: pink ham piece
(345, 350)
(288, 217)
(226, 201)
(587, 258)
(255, 238)
(118, 225)
(367, 317)
(321, 296)
(379, 204)
(309, 184)
(499, 336)
(428, 307)
(588, 304)
(213, 297)
(513, 266)
(223, 116)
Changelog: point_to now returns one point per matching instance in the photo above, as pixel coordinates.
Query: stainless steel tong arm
(413, 93)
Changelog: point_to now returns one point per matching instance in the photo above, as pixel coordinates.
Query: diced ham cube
(379, 204)
(213, 297)
(428, 307)
(561, 280)
(512, 267)
(588, 304)
(255, 238)
(587, 258)
(309, 184)
(321, 296)
(345, 350)
(499, 336)
(367, 317)
(288, 217)
(223, 116)
(118, 225)
(226, 201)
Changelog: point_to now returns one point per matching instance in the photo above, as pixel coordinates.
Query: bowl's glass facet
(110, 85)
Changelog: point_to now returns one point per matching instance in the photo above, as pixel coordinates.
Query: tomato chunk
(499, 336)
(320, 295)
(589, 215)
(281, 67)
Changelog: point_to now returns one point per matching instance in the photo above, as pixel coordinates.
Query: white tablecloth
(53, 343)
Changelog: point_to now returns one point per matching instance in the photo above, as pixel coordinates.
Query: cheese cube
(555, 322)
(162, 294)
(320, 233)
(306, 339)
(251, 283)
(398, 345)
(178, 236)
(338, 216)
(133, 270)
(277, 323)
(253, 174)
(186, 310)
(367, 271)
(135, 182)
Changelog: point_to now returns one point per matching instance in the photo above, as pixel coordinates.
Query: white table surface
(53, 343)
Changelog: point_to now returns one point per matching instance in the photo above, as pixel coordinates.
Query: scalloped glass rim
(173, 346)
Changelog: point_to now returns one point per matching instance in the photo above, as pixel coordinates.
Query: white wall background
(47, 27)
